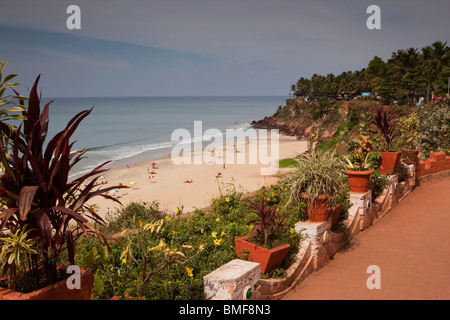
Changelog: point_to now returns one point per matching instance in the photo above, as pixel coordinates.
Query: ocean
(127, 130)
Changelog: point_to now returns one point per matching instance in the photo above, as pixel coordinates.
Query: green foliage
(353, 119)
(317, 174)
(407, 71)
(408, 128)
(15, 254)
(361, 154)
(434, 133)
(37, 193)
(197, 244)
(287, 163)
(9, 109)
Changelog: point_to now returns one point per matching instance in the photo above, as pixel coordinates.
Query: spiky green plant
(318, 173)
(36, 189)
(16, 250)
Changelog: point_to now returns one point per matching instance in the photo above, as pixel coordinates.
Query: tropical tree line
(408, 74)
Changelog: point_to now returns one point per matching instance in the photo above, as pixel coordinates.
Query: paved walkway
(411, 246)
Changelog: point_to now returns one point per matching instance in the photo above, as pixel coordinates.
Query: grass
(287, 163)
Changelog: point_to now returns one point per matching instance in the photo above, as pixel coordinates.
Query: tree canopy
(407, 74)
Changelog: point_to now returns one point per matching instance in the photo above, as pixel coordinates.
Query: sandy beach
(166, 183)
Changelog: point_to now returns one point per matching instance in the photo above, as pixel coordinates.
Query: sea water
(125, 130)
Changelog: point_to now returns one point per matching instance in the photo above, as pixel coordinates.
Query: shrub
(434, 129)
(38, 195)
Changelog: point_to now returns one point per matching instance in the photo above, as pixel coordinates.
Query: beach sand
(168, 187)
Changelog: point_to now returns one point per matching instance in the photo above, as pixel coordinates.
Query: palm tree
(405, 68)
(436, 60)
(293, 89)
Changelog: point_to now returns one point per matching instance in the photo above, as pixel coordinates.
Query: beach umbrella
(151, 177)
(153, 164)
(132, 183)
(218, 174)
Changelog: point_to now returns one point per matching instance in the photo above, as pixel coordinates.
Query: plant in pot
(318, 180)
(409, 137)
(386, 123)
(358, 165)
(43, 208)
(261, 245)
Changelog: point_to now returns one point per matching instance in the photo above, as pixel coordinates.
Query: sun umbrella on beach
(218, 174)
(132, 183)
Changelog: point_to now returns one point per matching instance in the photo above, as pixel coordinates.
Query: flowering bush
(195, 245)
(434, 129)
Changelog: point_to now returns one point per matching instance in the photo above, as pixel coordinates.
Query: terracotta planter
(268, 258)
(335, 213)
(56, 291)
(389, 161)
(318, 211)
(358, 180)
(410, 156)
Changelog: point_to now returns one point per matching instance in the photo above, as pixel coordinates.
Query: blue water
(127, 130)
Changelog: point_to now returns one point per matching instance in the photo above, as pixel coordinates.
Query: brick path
(411, 245)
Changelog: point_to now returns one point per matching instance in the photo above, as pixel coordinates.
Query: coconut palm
(405, 68)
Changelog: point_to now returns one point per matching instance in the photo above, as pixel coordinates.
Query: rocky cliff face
(287, 128)
(300, 118)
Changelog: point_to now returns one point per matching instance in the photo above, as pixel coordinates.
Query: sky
(204, 47)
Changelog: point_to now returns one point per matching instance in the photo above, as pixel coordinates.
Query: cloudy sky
(204, 47)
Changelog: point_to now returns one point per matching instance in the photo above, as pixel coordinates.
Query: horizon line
(180, 96)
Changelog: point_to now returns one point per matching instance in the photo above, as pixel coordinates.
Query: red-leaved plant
(386, 122)
(269, 220)
(37, 194)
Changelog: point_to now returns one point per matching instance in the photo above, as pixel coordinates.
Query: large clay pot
(358, 180)
(56, 291)
(268, 258)
(335, 214)
(389, 161)
(318, 210)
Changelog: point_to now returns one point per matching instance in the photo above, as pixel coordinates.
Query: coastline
(167, 185)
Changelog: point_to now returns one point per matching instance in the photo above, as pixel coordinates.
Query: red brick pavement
(411, 245)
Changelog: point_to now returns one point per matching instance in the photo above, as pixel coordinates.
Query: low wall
(319, 244)
(437, 162)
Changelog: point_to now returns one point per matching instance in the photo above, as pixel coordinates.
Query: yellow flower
(201, 247)
(270, 185)
(273, 194)
(124, 260)
(217, 242)
(167, 218)
(207, 212)
(189, 272)
(173, 232)
(212, 199)
(227, 199)
(177, 210)
(214, 234)
(223, 234)
(218, 219)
